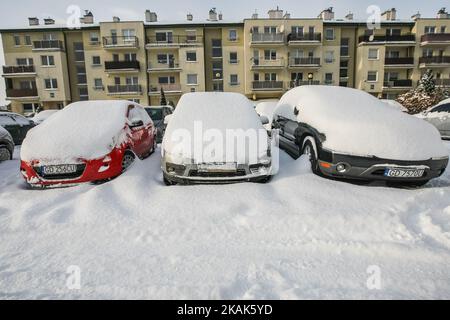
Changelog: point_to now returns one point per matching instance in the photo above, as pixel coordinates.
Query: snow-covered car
(215, 137)
(395, 104)
(348, 133)
(158, 113)
(439, 116)
(266, 109)
(16, 124)
(42, 116)
(6, 145)
(87, 142)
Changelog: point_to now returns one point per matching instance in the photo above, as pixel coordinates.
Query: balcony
(435, 39)
(436, 61)
(122, 66)
(398, 84)
(120, 42)
(21, 93)
(442, 83)
(169, 88)
(173, 41)
(404, 62)
(18, 71)
(267, 38)
(405, 39)
(308, 62)
(294, 83)
(262, 63)
(164, 67)
(267, 85)
(127, 89)
(304, 38)
(48, 45)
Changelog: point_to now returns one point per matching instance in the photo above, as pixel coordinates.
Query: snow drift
(82, 130)
(357, 123)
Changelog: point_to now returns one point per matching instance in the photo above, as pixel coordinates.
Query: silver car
(439, 116)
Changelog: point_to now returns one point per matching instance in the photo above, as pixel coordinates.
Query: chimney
(116, 19)
(275, 14)
(416, 16)
(255, 15)
(49, 21)
(212, 14)
(327, 14)
(88, 17)
(389, 15)
(33, 21)
(349, 16)
(220, 16)
(442, 14)
(287, 15)
(150, 16)
(190, 17)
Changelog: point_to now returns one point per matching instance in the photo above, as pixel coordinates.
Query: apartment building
(50, 65)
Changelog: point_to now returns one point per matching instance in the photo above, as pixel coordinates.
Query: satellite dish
(282, 29)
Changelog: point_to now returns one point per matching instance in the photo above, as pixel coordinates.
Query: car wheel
(127, 160)
(309, 151)
(5, 154)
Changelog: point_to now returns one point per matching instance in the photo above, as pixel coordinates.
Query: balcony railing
(267, 37)
(48, 45)
(21, 93)
(307, 61)
(435, 60)
(170, 66)
(122, 65)
(404, 83)
(295, 83)
(388, 38)
(125, 89)
(185, 40)
(304, 37)
(435, 37)
(268, 63)
(399, 61)
(18, 69)
(120, 42)
(168, 88)
(442, 82)
(267, 85)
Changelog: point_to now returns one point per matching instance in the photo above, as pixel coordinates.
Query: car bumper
(373, 168)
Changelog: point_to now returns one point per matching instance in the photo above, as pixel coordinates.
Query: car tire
(5, 154)
(127, 160)
(309, 150)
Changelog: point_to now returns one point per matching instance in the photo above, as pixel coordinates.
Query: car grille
(225, 174)
(67, 176)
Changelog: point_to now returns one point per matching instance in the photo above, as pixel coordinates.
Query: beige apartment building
(49, 65)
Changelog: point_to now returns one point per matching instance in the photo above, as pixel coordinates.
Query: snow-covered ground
(300, 236)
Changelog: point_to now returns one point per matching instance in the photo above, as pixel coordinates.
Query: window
(166, 80)
(256, 77)
(442, 108)
(270, 29)
(373, 54)
(218, 86)
(191, 56)
(128, 34)
(328, 78)
(232, 35)
(132, 80)
(233, 57)
(49, 36)
(24, 61)
(393, 54)
(98, 84)
(27, 84)
(164, 36)
(270, 77)
(51, 84)
(191, 79)
(443, 29)
(296, 76)
(191, 36)
(430, 29)
(297, 30)
(29, 108)
(162, 58)
(78, 48)
(234, 80)
(345, 47)
(393, 32)
(47, 61)
(27, 40)
(81, 74)
(93, 37)
(270, 54)
(329, 56)
(84, 94)
(17, 40)
(329, 34)
(427, 52)
(372, 76)
(216, 48)
(6, 120)
(343, 71)
(96, 61)
(130, 57)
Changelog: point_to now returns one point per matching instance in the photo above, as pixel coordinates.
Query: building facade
(48, 66)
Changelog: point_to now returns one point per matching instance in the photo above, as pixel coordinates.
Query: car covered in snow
(439, 116)
(348, 133)
(6, 145)
(266, 109)
(158, 113)
(16, 124)
(89, 141)
(215, 137)
(42, 116)
(395, 104)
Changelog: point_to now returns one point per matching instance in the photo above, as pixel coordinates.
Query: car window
(155, 114)
(442, 108)
(144, 115)
(21, 120)
(6, 120)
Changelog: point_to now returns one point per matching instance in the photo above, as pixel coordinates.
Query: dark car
(6, 145)
(158, 113)
(347, 133)
(16, 125)
(439, 116)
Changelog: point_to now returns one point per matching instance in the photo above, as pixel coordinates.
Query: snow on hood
(43, 115)
(354, 122)
(82, 130)
(266, 108)
(200, 115)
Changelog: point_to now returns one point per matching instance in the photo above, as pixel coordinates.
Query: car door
(138, 133)
(7, 122)
(24, 125)
(287, 128)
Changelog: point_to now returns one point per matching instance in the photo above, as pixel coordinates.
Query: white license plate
(59, 169)
(404, 173)
(218, 167)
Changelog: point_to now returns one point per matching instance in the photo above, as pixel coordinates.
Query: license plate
(404, 173)
(217, 167)
(59, 169)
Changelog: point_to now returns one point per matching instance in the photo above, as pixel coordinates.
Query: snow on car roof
(44, 115)
(82, 130)
(267, 108)
(355, 122)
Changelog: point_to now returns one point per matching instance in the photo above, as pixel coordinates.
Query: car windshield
(442, 108)
(155, 114)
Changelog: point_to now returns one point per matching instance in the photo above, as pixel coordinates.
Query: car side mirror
(264, 120)
(167, 119)
(296, 111)
(136, 123)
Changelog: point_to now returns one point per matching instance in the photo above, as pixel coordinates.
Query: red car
(91, 141)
